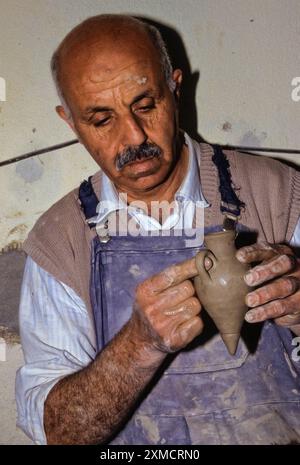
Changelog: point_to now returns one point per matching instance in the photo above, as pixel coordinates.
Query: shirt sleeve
(57, 338)
(295, 240)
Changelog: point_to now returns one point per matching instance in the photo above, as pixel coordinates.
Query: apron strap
(88, 200)
(230, 203)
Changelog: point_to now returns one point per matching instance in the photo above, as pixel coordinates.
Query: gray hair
(164, 56)
(157, 41)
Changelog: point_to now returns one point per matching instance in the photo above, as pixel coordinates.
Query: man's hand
(87, 407)
(279, 299)
(166, 311)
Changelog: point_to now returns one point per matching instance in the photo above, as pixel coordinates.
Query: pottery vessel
(220, 285)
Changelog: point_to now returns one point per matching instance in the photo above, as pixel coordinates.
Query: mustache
(139, 152)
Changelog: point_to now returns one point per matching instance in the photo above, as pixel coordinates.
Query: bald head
(107, 34)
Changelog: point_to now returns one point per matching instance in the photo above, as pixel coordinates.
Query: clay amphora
(220, 285)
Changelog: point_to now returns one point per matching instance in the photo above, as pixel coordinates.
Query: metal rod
(75, 141)
(38, 152)
(260, 149)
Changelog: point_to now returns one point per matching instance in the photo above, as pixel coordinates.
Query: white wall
(9, 433)
(247, 52)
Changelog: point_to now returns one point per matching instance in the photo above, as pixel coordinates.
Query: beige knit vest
(60, 241)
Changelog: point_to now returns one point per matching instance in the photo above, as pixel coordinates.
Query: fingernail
(240, 256)
(276, 268)
(249, 278)
(250, 316)
(252, 300)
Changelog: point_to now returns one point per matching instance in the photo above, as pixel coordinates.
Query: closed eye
(101, 122)
(146, 108)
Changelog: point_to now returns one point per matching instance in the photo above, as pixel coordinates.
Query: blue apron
(200, 395)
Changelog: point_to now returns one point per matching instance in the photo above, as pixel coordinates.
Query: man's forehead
(119, 68)
(127, 89)
(105, 71)
(107, 47)
(108, 61)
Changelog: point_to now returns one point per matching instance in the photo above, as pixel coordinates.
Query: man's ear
(177, 79)
(66, 117)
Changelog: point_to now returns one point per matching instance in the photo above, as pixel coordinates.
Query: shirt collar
(190, 189)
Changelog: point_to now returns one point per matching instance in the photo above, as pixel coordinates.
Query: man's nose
(132, 132)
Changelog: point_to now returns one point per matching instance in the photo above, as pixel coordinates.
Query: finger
(171, 276)
(190, 329)
(185, 311)
(275, 309)
(261, 251)
(278, 289)
(292, 321)
(276, 267)
(172, 297)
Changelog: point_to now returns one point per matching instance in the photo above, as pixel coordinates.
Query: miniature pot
(220, 285)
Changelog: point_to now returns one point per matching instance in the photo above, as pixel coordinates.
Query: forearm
(88, 406)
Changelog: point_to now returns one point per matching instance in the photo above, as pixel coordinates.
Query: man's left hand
(279, 298)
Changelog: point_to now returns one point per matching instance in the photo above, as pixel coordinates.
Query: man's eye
(146, 108)
(101, 122)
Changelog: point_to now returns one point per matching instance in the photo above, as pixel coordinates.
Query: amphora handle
(203, 271)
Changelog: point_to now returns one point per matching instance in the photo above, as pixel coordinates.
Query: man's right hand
(87, 407)
(166, 310)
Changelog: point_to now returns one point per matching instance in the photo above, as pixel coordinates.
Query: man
(106, 321)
